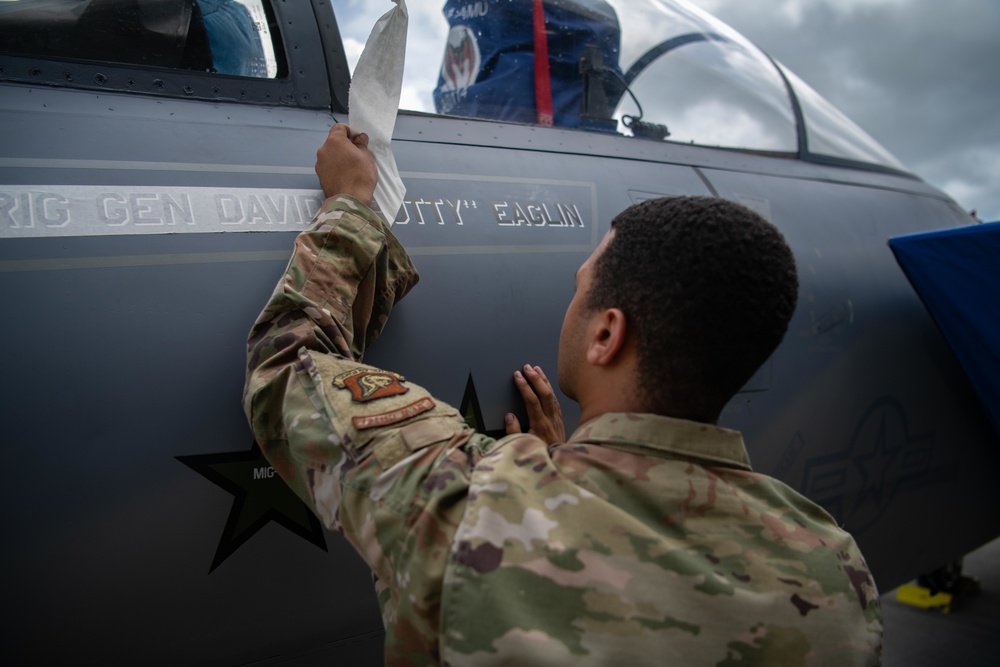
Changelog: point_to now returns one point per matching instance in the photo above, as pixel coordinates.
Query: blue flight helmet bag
(488, 70)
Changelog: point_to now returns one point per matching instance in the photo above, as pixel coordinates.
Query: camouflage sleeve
(375, 457)
(346, 273)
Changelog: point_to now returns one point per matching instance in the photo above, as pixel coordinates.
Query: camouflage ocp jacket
(642, 540)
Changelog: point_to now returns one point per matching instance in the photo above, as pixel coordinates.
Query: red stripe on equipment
(543, 78)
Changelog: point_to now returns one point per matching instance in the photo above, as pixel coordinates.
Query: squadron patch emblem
(368, 385)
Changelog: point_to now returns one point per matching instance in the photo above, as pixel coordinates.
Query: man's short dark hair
(707, 287)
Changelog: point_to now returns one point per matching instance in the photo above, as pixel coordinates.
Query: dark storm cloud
(919, 75)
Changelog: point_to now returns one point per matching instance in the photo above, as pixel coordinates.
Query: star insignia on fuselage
(874, 465)
(472, 412)
(259, 497)
(884, 457)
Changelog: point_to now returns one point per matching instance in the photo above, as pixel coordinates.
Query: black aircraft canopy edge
(303, 85)
(300, 83)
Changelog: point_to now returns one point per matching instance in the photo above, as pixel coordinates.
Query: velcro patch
(366, 384)
(362, 422)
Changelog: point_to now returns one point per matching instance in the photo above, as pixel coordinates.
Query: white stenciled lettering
(39, 211)
(51, 210)
(95, 210)
(229, 208)
(420, 214)
(144, 209)
(294, 215)
(471, 10)
(255, 211)
(178, 208)
(455, 208)
(141, 209)
(265, 209)
(30, 208)
(535, 215)
(12, 212)
(519, 216)
(263, 473)
(8, 207)
(271, 208)
(501, 212)
(516, 214)
(571, 215)
(280, 210)
(418, 210)
(111, 209)
(549, 219)
(438, 203)
(311, 206)
(403, 217)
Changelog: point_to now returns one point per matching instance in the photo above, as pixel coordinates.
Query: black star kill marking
(259, 497)
(473, 413)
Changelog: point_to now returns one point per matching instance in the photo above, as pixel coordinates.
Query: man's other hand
(544, 413)
(345, 166)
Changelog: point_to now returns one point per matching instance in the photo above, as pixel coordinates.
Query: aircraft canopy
(666, 62)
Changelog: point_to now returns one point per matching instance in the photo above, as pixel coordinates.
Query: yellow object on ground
(921, 597)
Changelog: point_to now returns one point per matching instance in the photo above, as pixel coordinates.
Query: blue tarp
(956, 272)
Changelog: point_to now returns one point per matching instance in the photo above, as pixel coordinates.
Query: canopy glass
(652, 69)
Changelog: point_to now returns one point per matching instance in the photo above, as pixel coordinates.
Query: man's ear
(607, 337)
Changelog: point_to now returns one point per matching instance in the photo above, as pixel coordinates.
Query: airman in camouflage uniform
(642, 537)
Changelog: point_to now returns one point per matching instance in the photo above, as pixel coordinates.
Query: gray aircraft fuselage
(141, 233)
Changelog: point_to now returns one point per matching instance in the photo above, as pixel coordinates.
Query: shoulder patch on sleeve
(362, 422)
(367, 384)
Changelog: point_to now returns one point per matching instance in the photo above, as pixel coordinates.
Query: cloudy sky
(921, 76)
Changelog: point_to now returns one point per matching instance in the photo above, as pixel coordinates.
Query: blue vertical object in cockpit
(488, 69)
(234, 41)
